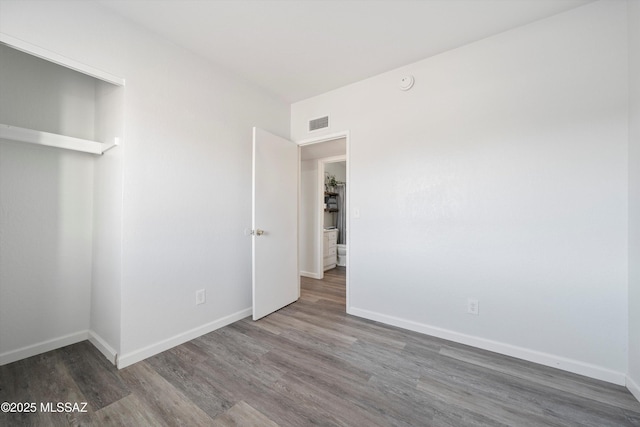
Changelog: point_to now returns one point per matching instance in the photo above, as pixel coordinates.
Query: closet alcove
(61, 198)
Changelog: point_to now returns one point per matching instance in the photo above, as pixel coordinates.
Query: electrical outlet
(200, 297)
(473, 306)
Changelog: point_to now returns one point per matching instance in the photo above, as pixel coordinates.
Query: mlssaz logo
(63, 406)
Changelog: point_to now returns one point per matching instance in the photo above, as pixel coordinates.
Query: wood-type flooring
(311, 364)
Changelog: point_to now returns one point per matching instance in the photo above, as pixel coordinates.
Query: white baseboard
(570, 365)
(311, 275)
(42, 347)
(103, 347)
(633, 387)
(136, 356)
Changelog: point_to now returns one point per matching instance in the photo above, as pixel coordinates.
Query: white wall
(106, 295)
(46, 200)
(187, 194)
(309, 219)
(45, 250)
(186, 171)
(40, 95)
(502, 176)
(338, 169)
(634, 198)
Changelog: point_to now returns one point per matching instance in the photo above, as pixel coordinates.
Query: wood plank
(242, 414)
(14, 387)
(96, 377)
(360, 332)
(553, 378)
(128, 411)
(321, 406)
(164, 401)
(178, 369)
(64, 389)
(331, 337)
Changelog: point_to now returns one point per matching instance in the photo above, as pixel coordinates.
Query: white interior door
(276, 281)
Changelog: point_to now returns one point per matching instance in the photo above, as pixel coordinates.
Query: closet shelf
(31, 136)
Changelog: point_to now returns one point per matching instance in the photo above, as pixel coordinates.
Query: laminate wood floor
(311, 364)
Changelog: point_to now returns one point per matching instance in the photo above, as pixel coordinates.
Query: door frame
(320, 199)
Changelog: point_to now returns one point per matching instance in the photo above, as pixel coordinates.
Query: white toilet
(342, 255)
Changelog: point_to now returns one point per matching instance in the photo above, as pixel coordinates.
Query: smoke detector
(406, 82)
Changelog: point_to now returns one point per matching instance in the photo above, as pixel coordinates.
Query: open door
(275, 277)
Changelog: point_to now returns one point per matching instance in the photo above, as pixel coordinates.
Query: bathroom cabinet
(330, 249)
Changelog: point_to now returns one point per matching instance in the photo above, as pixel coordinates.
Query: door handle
(257, 232)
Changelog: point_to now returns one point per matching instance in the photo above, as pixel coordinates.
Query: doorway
(324, 207)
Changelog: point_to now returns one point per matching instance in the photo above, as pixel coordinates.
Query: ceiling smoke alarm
(406, 82)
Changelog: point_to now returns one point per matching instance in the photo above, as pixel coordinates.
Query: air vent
(319, 123)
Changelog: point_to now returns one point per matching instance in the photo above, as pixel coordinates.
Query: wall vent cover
(319, 123)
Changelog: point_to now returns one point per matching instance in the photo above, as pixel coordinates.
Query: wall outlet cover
(473, 306)
(200, 297)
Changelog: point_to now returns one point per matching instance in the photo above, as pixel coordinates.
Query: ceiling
(299, 49)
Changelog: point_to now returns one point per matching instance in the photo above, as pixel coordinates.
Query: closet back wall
(46, 201)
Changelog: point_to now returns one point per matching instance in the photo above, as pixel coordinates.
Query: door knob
(258, 232)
